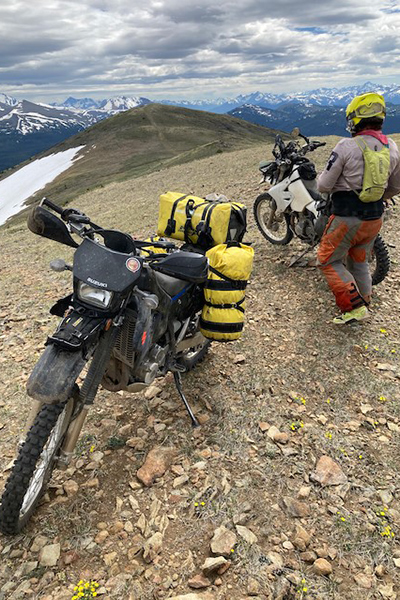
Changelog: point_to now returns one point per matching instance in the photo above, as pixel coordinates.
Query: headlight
(95, 296)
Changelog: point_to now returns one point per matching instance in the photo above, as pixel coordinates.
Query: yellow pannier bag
(229, 270)
(201, 222)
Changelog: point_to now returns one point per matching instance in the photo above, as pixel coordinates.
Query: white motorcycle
(293, 205)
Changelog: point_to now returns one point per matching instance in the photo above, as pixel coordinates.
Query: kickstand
(296, 259)
(178, 383)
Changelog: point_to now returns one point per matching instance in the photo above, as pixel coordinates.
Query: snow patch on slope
(20, 186)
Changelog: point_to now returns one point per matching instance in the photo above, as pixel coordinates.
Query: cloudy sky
(50, 49)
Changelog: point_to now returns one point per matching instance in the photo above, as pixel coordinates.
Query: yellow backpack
(376, 171)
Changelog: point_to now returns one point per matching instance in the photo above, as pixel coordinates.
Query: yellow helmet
(364, 107)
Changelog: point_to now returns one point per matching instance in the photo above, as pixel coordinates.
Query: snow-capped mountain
(4, 99)
(28, 117)
(111, 105)
(83, 103)
(312, 119)
(121, 103)
(27, 128)
(321, 97)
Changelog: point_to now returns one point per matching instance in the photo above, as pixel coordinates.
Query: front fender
(281, 194)
(54, 375)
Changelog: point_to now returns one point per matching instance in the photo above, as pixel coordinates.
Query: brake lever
(79, 219)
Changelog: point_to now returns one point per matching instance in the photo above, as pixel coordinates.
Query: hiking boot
(358, 314)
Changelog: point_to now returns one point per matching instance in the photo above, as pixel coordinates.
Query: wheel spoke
(45, 460)
(273, 224)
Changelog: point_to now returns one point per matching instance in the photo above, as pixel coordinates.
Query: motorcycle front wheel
(274, 227)
(379, 261)
(33, 466)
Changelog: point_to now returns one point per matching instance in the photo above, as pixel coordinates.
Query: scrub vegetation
(294, 389)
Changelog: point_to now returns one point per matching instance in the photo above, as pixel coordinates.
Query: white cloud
(172, 47)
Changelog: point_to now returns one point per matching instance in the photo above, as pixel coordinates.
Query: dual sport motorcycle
(133, 316)
(292, 206)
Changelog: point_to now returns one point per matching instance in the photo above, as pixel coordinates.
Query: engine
(122, 369)
(302, 224)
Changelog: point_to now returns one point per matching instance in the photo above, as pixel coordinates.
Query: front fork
(87, 393)
(84, 397)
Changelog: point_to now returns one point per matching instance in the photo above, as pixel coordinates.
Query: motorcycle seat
(188, 266)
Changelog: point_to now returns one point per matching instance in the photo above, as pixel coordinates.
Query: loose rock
(199, 582)
(295, 508)
(223, 541)
(301, 538)
(213, 564)
(328, 472)
(322, 567)
(157, 462)
(152, 547)
(49, 555)
(246, 534)
(71, 487)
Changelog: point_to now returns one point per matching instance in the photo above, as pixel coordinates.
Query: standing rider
(355, 223)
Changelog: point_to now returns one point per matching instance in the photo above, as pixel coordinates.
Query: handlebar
(70, 215)
(77, 220)
(54, 207)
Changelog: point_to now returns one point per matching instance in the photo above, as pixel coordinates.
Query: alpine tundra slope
(293, 391)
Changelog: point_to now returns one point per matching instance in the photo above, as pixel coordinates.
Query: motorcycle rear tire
(382, 261)
(33, 466)
(287, 233)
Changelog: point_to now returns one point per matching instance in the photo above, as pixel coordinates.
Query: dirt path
(328, 392)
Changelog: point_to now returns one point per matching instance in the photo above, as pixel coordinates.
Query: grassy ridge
(147, 139)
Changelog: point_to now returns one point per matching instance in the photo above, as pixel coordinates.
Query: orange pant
(348, 240)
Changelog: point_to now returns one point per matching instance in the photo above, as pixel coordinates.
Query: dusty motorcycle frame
(130, 318)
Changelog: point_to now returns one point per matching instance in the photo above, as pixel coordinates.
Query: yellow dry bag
(201, 222)
(230, 268)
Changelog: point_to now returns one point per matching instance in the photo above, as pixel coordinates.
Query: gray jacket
(345, 167)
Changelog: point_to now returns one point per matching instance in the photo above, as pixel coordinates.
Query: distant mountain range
(144, 140)
(312, 119)
(28, 128)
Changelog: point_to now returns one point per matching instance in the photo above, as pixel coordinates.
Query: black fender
(54, 375)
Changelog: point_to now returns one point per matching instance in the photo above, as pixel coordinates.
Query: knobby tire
(11, 521)
(261, 199)
(382, 259)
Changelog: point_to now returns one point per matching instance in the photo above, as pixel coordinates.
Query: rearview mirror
(43, 222)
(295, 132)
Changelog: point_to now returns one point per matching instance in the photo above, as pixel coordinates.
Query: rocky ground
(289, 488)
